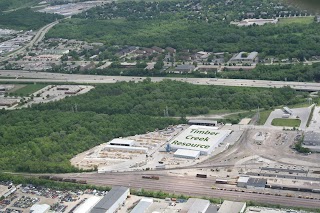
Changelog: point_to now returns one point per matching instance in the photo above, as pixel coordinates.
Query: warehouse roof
(202, 122)
(88, 204)
(195, 205)
(311, 138)
(243, 179)
(257, 182)
(142, 206)
(187, 153)
(232, 207)
(122, 142)
(37, 208)
(107, 201)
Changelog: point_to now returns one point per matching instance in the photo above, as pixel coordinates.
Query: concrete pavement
(33, 76)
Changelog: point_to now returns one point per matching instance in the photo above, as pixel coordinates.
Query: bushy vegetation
(14, 4)
(289, 72)
(280, 41)
(26, 19)
(181, 98)
(45, 137)
(44, 141)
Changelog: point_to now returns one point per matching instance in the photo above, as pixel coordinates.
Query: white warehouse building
(199, 138)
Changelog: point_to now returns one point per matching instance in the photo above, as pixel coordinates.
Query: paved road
(33, 76)
(189, 186)
(37, 38)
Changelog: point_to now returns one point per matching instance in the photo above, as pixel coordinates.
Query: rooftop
(251, 56)
(108, 201)
(311, 138)
(232, 207)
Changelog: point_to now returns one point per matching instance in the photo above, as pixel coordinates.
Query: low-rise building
(142, 206)
(37, 208)
(244, 57)
(195, 205)
(232, 207)
(185, 68)
(112, 201)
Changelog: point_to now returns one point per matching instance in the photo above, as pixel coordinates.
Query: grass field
(27, 90)
(264, 116)
(286, 122)
(296, 20)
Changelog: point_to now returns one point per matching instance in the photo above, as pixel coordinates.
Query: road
(38, 37)
(33, 76)
(188, 186)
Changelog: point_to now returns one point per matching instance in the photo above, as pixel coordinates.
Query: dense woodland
(26, 19)
(181, 98)
(195, 25)
(14, 4)
(289, 72)
(43, 138)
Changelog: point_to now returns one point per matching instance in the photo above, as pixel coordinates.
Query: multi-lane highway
(33, 76)
(189, 186)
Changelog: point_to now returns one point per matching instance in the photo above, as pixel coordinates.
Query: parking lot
(300, 113)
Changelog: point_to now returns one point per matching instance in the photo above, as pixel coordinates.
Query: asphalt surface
(189, 186)
(33, 76)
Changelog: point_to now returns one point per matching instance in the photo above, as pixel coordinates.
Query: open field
(296, 20)
(286, 122)
(264, 116)
(26, 90)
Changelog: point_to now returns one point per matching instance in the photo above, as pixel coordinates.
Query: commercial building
(37, 208)
(185, 153)
(311, 138)
(8, 102)
(203, 122)
(195, 205)
(87, 205)
(256, 183)
(126, 148)
(122, 142)
(232, 207)
(112, 201)
(142, 206)
(199, 138)
(287, 110)
(244, 57)
(260, 22)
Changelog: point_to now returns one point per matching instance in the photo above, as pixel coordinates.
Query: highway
(188, 186)
(37, 38)
(33, 76)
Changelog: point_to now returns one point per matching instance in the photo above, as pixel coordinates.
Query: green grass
(28, 89)
(296, 20)
(264, 116)
(286, 122)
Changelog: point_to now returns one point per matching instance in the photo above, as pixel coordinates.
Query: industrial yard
(160, 149)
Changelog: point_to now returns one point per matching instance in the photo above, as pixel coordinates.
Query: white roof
(37, 208)
(187, 153)
(199, 138)
(243, 179)
(88, 204)
(122, 141)
(142, 206)
(232, 207)
(195, 205)
(126, 148)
